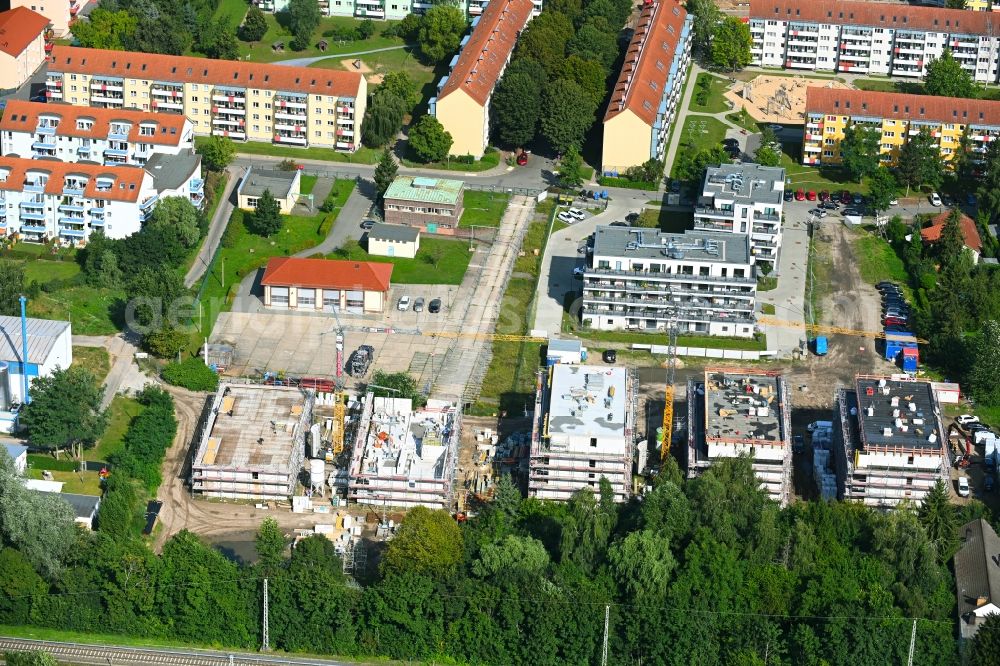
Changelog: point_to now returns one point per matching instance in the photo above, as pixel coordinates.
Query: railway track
(114, 655)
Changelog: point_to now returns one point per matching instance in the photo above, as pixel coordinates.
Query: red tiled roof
(327, 274)
(900, 106)
(896, 16)
(126, 187)
(186, 69)
(18, 28)
(970, 234)
(21, 116)
(647, 61)
(485, 55)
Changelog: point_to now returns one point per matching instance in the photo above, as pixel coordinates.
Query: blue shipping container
(895, 343)
(910, 359)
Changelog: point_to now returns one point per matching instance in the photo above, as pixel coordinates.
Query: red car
(845, 197)
(895, 321)
(824, 196)
(800, 195)
(522, 158)
(811, 195)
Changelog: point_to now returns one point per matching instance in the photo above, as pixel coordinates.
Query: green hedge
(191, 374)
(609, 181)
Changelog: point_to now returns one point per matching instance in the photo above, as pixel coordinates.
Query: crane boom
(668, 407)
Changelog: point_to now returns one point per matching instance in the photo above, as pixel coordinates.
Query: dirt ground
(370, 74)
(776, 99)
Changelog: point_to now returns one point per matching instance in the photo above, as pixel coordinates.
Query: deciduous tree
(217, 152)
(985, 369)
(516, 106)
(429, 140)
(859, 150)
(105, 29)
(440, 32)
(383, 118)
(29, 658)
(11, 287)
(881, 189)
(706, 17)
(180, 216)
(427, 541)
(303, 19)
(947, 78)
(731, 43)
(270, 544)
(254, 25)
(595, 40)
(513, 555)
(567, 115)
(571, 168)
(767, 155)
(399, 84)
(920, 161)
(588, 74)
(544, 40)
(65, 411)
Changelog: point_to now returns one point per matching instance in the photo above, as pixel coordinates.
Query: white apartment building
(108, 136)
(872, 37)
(643, 279)
(281, 104)
(889, 443)
(45, 199)
(583, 431)
(392, 10)
(744, 199)
(405, 457)
(742, 413)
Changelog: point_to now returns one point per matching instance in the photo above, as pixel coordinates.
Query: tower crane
(337, 436)
(668, 407)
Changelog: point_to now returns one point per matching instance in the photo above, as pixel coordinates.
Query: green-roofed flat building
(431, 204)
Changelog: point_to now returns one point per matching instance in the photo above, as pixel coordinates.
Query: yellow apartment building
(898, 117)
(293, 106)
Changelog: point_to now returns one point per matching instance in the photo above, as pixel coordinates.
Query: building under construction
(888, 443)
(733, 413)
(404, 457)
(252, 442)
(584, 430)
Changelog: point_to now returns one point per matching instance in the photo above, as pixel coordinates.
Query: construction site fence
(702, 352)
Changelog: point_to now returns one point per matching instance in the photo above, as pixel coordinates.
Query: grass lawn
(43, 270)
(767, 308)
(233, 11)
(877, 260)
(766, 283)
(246, 253)
(699, 133)
(714, 102)
(813, 178)
(361, 156)
(120, 415)
(89, 308)
(307, 184)
(262, 52)
(95, 359)
(483, 209)
(452, 259)
(758, 343)
(77, 483)
(671, 221)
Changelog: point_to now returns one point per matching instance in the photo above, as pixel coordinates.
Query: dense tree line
(557, 79)
(707, 567)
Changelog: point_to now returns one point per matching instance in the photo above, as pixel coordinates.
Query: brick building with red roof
(356, 287)
(22, 45)
(970, 234)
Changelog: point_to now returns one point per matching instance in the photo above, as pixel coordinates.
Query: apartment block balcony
(760, 216)
(229, 110)
(299, 139)
(170, 106)
(232, 134)
(292, 103)
(648, 275)
(32, 216)
(229, 123)
(83, 150)
(47, 128)
(71, 207)
(229, 96)
(72, 232)
(106, 85)
(107, 100)
(28, 228)
(33, 187)
(72, 190)
(289, 114)
(97, 211)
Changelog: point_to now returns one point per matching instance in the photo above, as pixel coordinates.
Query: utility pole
(266, 647)
(604, 652)
(913, 643)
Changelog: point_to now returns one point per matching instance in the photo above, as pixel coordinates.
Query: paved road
(305, 62)
(83, 653)
(124, 375)
(216, 228)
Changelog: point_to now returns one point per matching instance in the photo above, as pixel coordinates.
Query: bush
(191, 374)
(609, 181)
(234, 229)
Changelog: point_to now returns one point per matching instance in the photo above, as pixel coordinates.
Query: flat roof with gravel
(425, 190)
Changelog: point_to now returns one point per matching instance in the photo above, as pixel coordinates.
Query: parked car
(609, 356)
(800, 195)
(886, 285)
(522, 158)
(434, 306)
(936, 199)
(857, 199)
(576, 214)
(851, 212)
(367, 224)
(404, 304)
(774, 127)
(894, 202)
(818, 212)
(963, 486)
(947, 200)
(811, 195)
(824, 195)
(895, 321)
(418, 305)
(788, 195)
(566, 217)
(845, 197)
(966, 419)
(829, 205)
